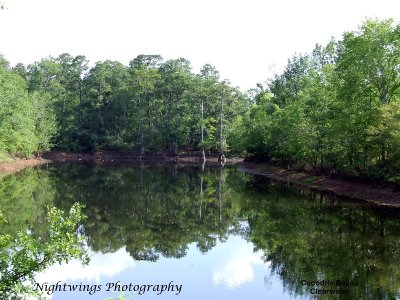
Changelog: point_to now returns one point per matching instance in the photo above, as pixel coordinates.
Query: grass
(5, 157)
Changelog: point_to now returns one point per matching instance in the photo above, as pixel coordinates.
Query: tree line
(335, 109)
(148, 106)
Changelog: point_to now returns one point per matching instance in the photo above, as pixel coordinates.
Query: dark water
(212, 234)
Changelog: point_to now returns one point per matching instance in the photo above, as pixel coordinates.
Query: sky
(248, 41)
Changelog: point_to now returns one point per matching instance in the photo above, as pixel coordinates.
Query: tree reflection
(158, 211)
(152, 211)
(23, 200)
(310, 238)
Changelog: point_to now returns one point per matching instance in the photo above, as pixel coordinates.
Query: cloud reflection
(100, 265)
(237, 268)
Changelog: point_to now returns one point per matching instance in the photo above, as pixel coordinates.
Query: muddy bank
(18, 165)
(362, 191)
(101, 157)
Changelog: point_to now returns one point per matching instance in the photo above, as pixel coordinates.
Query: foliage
(149, 105)
(385, 135)
(325, 111)
(333, 109)
(21, 258)
(27, 124)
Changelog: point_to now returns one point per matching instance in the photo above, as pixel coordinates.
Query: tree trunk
(221, 157)
(141, 132)
(201, 195)
(220, 197)
(203, 153)
(175, 148)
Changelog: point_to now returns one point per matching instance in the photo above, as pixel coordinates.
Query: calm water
(212, 234)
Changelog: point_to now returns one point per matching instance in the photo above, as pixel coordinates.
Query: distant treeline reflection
(159, 211)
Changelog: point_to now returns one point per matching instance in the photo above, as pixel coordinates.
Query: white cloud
(237, 269)
(100, 265)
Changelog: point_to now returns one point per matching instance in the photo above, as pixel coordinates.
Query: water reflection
(317, 238)
(152, 212)
(237, 267)
(235, 235)
(101, 266)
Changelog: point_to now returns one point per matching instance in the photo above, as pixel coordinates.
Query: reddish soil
(121, 156)
(363, 191)
(18, 165)
(368, 192)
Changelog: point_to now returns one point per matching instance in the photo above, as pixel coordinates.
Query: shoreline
(101, 157)
(369, 193)
(10, 167)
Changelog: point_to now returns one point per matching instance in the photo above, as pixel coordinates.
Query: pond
(181, 232)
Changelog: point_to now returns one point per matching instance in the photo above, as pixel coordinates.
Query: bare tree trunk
(221, 158)
(175, 148)
(201, 193)
(141, 143)
(141, 132)
(220, 196)
(203, 154)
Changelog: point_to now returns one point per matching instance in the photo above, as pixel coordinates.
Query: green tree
(106, 103)
(176, 80)
(326, 109)
(22, 258)
(27, 120)
(144, 79)
(385, 133)
(204, 96)
(368, 70)
(60, 80)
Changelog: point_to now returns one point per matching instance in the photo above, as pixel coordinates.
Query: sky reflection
(231, 269)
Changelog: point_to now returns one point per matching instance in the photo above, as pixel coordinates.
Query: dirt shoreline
(362, 191)
(18, 165)
(100, 158)
(119, 156)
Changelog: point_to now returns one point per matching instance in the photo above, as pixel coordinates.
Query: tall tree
(145, 76)
(176, 80)
(107, 102)
(208, 79)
